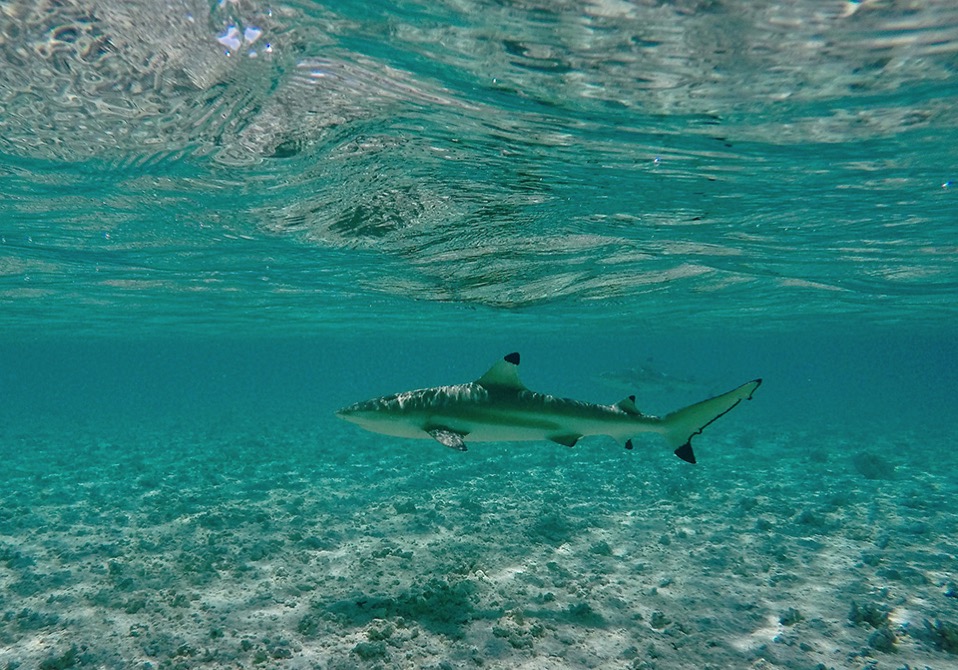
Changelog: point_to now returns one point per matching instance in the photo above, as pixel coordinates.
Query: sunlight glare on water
(292, 161)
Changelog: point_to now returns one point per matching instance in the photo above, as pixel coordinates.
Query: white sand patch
(758, 637)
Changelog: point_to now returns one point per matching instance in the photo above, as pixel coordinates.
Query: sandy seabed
(239, 544)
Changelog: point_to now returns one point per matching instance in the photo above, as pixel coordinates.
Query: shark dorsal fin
(628, 406)
(505, 373)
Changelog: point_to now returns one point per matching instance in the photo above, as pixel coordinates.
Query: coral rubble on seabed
(299, 547)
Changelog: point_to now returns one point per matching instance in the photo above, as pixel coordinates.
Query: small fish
(498, 407)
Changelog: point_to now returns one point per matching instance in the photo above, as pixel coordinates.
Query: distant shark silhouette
(498, 407)
(647, 376)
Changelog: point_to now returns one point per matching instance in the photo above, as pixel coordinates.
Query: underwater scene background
(222, 221)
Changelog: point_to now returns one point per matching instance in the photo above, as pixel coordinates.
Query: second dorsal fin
(504, 373)
(627, 405)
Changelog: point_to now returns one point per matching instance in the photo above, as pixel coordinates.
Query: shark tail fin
(681, 426)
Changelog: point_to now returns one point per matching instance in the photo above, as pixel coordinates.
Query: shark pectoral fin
(448, 438)
(565, 440)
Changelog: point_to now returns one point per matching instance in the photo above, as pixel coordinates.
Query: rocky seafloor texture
(245, 544)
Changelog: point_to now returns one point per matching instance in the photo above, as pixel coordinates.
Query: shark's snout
(374, 416)
(359, 413)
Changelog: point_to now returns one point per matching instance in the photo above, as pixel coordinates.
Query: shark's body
(498, 407)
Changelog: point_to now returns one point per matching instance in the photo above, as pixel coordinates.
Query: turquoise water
(220, 222)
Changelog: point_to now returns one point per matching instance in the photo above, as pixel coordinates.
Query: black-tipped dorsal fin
(505, 373)
(627, 405)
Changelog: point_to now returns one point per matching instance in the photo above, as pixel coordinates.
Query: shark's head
(361, 413)
(381, 415)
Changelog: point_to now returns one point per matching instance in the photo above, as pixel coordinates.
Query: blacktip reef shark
(498, 407)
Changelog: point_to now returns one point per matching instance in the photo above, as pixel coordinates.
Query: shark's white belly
(526, 426)
(497, 433)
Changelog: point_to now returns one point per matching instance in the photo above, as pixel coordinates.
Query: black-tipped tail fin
(681, 426)
(685, 453)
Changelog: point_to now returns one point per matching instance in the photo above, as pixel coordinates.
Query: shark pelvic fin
(448, 438)
(505, 374)
(565, 440)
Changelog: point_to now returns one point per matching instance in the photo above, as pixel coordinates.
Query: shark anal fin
(448, 438)
(565, 440)
(685, 453)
